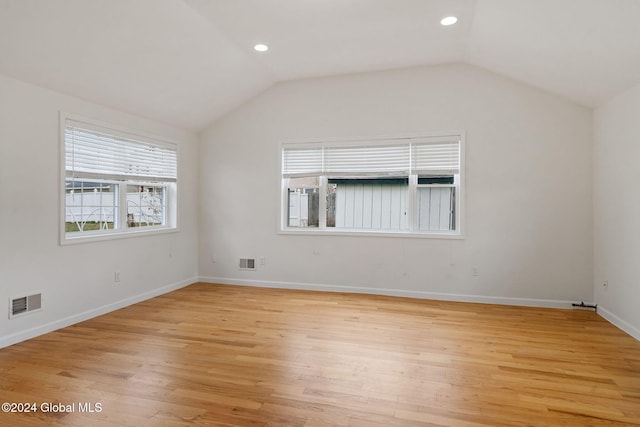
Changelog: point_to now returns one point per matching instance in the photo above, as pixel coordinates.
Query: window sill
(115, 235)
(369, 233)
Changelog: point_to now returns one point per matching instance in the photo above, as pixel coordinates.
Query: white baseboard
(76, 318)
(618, 322)
(527, 302)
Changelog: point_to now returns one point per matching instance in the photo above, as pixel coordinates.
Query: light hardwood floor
(227, 355)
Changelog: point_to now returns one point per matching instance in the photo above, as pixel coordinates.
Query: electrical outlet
(475, 271)
(263, 261)
(116, 277)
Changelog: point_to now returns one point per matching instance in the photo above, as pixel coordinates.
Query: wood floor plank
(210, 355)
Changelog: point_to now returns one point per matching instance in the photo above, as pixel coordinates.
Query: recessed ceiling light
(449, 20)
(261, 47)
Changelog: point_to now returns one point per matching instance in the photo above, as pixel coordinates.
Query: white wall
(617, 210)
(528, 192)
(76, 281)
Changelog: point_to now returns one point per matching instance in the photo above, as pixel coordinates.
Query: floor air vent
(247, 264)
(24, 305)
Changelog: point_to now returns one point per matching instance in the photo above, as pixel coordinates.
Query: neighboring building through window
(115, 182)
(407, 185)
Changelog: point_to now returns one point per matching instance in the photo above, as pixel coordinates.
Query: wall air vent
(247, 263)
(24, 305)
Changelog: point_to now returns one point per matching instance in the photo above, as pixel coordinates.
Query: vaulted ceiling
(188, 62)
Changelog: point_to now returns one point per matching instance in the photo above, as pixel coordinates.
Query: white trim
(619, 323)
(17, 337)
(120, 130)
(173, 189)
(62, 208)
(523, 302)
(526, 302)
(384, 138)
(400, 139)
(89, 237)
(369, 233)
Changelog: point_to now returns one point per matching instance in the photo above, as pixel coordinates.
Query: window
(115, 182)
(407, 185)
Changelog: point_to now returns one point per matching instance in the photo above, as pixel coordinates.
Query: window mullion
(122, 208)
(322, 203)
(284, 191)
(163, 207)
(412, 202)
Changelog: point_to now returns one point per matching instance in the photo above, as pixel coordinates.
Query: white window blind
(392, 160)
(435, 155)
(94, 152)
(301, 161)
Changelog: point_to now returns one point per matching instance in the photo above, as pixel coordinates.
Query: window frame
(458, 185)
(170, 205)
